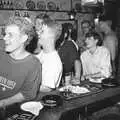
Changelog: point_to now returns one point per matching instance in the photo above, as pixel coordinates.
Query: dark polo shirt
(68, 54)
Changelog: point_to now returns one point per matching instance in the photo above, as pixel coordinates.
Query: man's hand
(75, 81)
(45, 88)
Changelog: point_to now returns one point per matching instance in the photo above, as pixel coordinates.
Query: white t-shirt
(97, 62)
(51, 68)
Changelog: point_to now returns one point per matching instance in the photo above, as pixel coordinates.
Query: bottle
(68, 77)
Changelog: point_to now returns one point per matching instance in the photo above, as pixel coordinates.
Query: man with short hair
(20, 72)
(110, 41)
(48, 32)
(96, 59)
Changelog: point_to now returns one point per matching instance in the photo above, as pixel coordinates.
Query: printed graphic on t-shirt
(5, 83)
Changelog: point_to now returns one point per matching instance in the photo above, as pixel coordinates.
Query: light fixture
(72, 15)
(96, 19)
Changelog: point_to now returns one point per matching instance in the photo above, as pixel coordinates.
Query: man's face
(12, 38)
(38, 24)
(85, 27)
(90, 42)
(45, 35)
(103, 26)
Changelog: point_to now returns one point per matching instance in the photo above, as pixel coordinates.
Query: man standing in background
(110, 41)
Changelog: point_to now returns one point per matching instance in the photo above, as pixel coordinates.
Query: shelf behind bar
(85, 12)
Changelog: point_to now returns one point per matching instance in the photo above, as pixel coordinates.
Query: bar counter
(76, 105)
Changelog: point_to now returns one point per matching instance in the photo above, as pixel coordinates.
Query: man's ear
(96, 40)
(24, 38)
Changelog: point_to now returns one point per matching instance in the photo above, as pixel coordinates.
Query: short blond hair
(25, 24)
(53, 25)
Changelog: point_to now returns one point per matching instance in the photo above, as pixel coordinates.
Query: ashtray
(52, 100)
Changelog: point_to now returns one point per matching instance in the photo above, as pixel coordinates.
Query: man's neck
(49, 48)
(93, 49)
(19, 54)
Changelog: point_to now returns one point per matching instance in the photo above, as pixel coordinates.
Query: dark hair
(32, 45)
(90, 23)
(95, 35)
(74, 34)
(62, 36)
(65, 29)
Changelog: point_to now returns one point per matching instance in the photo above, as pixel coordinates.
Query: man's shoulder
(55, 59)
(2, 52)
(39, 54)
(103, 49)
(84, 53)
(111, 37)
(55, 56)
(34, 61)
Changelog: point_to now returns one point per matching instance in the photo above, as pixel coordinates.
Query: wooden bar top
(76, 103)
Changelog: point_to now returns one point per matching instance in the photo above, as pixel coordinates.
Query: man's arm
(95, 75)
(111, 44)
(11, 100)
(104, 66)
(77, 67)
(45, 88)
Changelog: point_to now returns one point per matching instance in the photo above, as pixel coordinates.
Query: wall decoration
(41, 5)
(30, 5)
(51, 5)
(18, 4)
